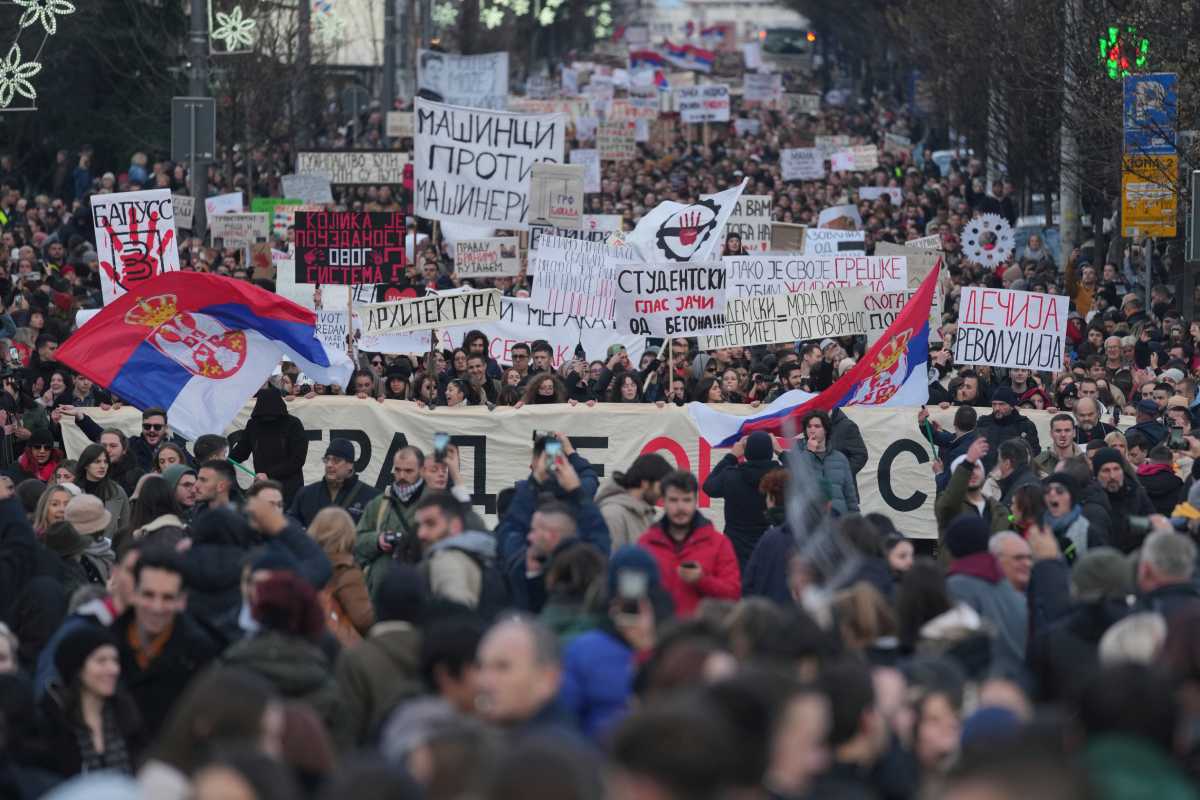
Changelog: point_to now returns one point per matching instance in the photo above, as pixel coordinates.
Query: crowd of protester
(169, 634)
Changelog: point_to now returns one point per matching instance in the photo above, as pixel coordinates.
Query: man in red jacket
(694, 558)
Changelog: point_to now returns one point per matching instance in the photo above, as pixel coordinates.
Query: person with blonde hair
(345, 601)
(51, 508)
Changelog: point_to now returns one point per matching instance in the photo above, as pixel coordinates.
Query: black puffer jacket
(745, 508)
(277, 441)
(1000, 430)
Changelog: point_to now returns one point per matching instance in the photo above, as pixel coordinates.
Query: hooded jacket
(627, 517)
(1162, 485)
(745, 507)
(378, 674)
(455, 567)
(977, 581)
(999, 430)
(704, 545)
(277, 440)
(299, 670)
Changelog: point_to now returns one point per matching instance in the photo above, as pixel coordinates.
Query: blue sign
(1151, 113)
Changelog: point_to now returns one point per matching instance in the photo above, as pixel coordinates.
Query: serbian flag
(199, 346)
(894, 372)
(689, 56)
(660, 80)
(645, 58)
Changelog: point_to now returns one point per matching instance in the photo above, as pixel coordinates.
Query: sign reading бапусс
(349, 248)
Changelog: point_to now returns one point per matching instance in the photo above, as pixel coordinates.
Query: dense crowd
(169, 633)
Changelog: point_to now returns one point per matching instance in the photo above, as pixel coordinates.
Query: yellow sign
(1148, 196)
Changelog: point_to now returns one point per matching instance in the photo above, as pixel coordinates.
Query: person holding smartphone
(694, 559)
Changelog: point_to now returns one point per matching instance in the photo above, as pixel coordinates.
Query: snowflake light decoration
(444, 15)
(45, 12)
(15, 75)
(329, 27)
(235, 30)
(491, 17)
(987, 240)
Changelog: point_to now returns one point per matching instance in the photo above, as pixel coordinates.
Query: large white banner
(479, 81)
(474, 166)
(135, 239)
(430, 312)
(495, 446)
(795, 317)
(1009, 328)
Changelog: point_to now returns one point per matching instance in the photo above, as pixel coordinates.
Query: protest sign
(894, 194)
(746, 127)
(933, 242)
(474, 166)
(356, 167)
(576, 276)
(307, 188)
(349, 247)
(802, 164)
(487, 258)
(794, 317)
(556, 195)
(920, 262)
(590, 161)
(787, 236)
(281, 219)
(802, 104)
(844, 217)
(238, 230)
(135, 238)
(479, 81)
(494, 445)
(1010, 328)
(862, 158)
(262, 261)
(333, 328)
(782, 273)
(830, 144)
(833, 241)
(223, 204)
(603, 223)
(570, 81)
(896, 144)
(185, 209)
(673, 298)
(585, 128)
(635, 106)
(751, 55)
(751, 222)
(590, 231)
(760, 87)
(617, 141)
(398, 124)
(706, 103)
(430, 312)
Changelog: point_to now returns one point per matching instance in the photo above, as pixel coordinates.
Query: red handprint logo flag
(135, 239)
(685, 231)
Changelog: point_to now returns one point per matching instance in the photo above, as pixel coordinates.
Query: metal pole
(389, 61)
(1068, 189)
(198, 87)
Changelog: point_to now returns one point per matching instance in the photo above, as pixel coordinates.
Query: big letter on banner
(135, 239)
(494, 446)
(430, 312)
(474, 166)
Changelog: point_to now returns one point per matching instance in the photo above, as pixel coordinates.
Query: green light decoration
(235, 30)
(1123, 52)
(15, 71)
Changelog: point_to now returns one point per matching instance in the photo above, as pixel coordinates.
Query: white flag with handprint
(135, 238)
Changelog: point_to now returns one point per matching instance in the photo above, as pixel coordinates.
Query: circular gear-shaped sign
(987, 240)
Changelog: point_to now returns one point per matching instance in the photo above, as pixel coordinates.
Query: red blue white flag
(894, 372)
(199, 346)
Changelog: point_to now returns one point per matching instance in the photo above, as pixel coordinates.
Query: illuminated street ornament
(45, 12)
(329, 27)
(444, 15)
(234, 30)
(1123, 52)
(14, 77)
(491, 17)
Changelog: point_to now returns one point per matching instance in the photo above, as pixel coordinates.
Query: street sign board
(1151, 112)
(193, 129)
(1149, 198)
